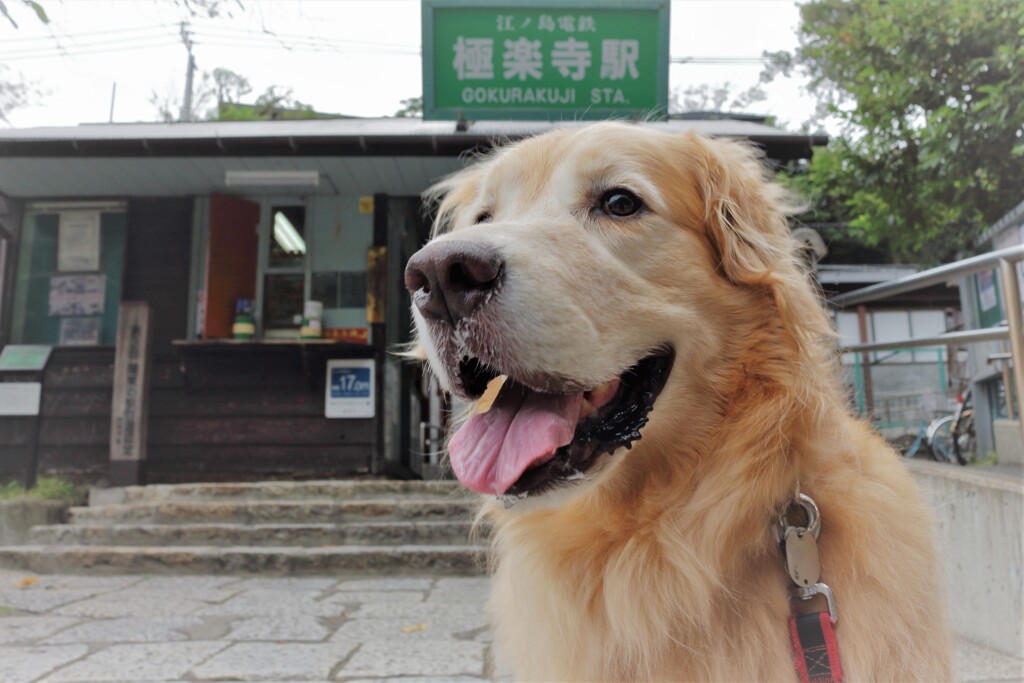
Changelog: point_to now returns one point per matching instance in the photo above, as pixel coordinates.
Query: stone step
(273, 490)
(305, 535)
(282, 511)
(391, 560)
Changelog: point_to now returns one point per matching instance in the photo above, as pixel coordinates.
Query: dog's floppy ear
(744, 214)
(447, 198)
(745, 223)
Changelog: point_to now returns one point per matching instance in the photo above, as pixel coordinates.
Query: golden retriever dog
(659, 384)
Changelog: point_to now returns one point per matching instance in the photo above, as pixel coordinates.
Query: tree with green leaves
(218, 97)
(714, 98)
(930, 96)
(412, 107)
(15, 91)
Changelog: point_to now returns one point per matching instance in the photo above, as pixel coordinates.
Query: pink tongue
(523, 428)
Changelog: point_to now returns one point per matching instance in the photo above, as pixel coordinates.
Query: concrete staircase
(316, 527)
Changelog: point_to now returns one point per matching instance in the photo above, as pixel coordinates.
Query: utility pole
(186, 106)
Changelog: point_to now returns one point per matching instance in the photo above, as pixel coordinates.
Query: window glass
(891, 326)
(287, 236)
(927, 324)
(848, 328)
(283, 301)
(342, 289)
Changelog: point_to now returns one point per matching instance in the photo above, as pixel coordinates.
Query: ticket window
(284, 280)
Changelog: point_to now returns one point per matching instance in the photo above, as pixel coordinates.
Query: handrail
(927, 278)
(948, 339)
(1006, 262)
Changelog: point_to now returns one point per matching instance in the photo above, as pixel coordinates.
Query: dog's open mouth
(527, 441)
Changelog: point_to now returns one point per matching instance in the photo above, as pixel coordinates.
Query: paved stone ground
(121, 629)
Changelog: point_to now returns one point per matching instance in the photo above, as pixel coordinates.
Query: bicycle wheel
(940, 440)
(965, 439)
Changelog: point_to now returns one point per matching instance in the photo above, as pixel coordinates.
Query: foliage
(14, 92)
(218, 95)
(717, 98)
(930, 94)
(411, 107)
(271, 105)
(47, 488)
(32, 5)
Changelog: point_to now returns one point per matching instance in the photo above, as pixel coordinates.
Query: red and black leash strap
(815, 653)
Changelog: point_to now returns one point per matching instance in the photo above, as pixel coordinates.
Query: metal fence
(1006, 261)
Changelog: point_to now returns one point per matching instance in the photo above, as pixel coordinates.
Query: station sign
(562, 60)
(350, 391)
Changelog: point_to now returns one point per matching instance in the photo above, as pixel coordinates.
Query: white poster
(987, 290)
(350, 388)
(72, 295)
(20, 398)
(78, 241)
(79, 331)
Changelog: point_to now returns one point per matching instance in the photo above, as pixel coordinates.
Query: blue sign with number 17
(350, 383)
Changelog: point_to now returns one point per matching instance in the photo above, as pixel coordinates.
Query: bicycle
(963, 432)
(950, 438)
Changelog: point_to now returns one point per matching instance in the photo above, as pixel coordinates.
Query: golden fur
(663, 564)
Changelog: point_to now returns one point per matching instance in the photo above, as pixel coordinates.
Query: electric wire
(153, 37)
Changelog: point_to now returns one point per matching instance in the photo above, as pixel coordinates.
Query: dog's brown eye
(619, 203)
(483, 217)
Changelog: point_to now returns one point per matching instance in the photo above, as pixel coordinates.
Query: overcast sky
(353, 57)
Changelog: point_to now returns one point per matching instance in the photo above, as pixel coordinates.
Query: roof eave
(781, 147)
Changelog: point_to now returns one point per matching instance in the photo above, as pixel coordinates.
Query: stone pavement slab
(144, 662)
(430, 657)
(15, 630)
(127, 630)
(314, 629)
(274, 661)
(26, 664)
(295, 627)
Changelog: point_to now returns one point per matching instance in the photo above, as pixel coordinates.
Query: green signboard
(24, 357)
(564, 59)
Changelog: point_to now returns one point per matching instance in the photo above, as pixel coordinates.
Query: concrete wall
(1009, 445)
(979, 517)
(18, 516)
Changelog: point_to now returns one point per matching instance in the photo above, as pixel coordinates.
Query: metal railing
(1005, 260)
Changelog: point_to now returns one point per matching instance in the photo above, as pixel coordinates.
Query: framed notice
(79, 331)
(78, 241)
(350, 391)
(77, 295)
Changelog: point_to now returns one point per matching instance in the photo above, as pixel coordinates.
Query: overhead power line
(152, 37)
(89, 34)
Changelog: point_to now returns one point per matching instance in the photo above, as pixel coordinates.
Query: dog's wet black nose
(449, 280)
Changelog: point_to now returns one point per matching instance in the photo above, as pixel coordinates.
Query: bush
(47, 488)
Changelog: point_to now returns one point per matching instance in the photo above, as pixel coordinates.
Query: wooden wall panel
(156, 265)
(241, 419)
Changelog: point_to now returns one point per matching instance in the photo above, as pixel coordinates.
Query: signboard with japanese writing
(531, 60)
(350, 388)
(129, 408)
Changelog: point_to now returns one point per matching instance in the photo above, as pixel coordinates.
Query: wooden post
(376, 316)
(865, 364)
(130, 406)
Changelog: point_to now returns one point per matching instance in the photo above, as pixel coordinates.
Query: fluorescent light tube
(272, 178)
(286, 235)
